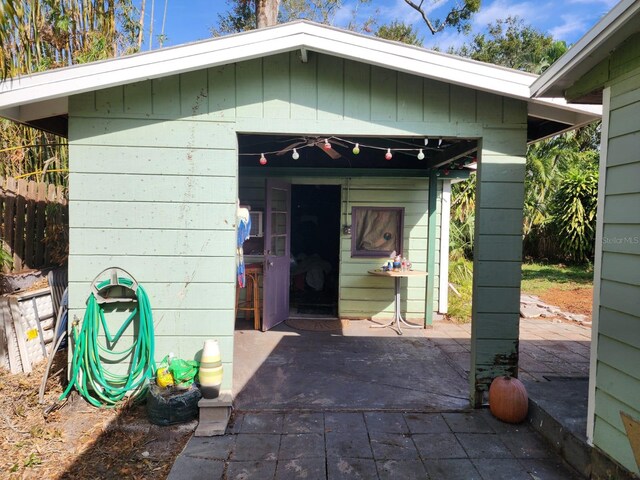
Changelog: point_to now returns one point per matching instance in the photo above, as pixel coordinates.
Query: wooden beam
(431, 251)
(453, 153)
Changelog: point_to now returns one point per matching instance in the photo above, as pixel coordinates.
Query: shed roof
(595, 46)
(41, 99)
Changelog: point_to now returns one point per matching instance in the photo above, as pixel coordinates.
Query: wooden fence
(34, 218)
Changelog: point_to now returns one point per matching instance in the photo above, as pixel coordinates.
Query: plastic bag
(183, 371)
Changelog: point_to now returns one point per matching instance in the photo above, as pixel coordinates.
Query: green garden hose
(93, 381)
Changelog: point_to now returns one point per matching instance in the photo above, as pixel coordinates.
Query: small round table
(397, 316)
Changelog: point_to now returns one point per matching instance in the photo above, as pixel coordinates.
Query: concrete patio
(367, 403)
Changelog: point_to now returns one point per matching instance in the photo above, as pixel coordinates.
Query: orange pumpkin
(508, 400)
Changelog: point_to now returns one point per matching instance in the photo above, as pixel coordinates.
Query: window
(377, 231)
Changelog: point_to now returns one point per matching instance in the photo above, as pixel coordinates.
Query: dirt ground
(79, 440)
(575, 300)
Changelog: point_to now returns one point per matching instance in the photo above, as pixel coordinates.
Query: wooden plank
(500, 248)
(619, 355)
(249, 100)
(498, 274)
(41, 207)
(502, 168)
(137, 97)
(621, 268)
(620, 296)
(157, 215)
(330, 88)
(437, 98)
(30, 234)
(608, 408)
(193, 296)
(497, 299)
(624, 149)
(620, 326)
(357, 90)
(20, 335)
(498, 325)
(497, 351)
(510, 141)
(384, 102)
(410, 101)
(490, 108)
(151, 133)
(304, 87)
(152, 188)
(195, 269)
(623, 179)
(51, 198)
(498, 221)
(156, 242)
(83, 103)
(152, 160)
(501, 194)
(617, 384)
(621, 238)
(165, 95)
(19, 233)
(222, 92)
(193, 93)
(110, 101)
(277, 86)
(463, 104)
(622, 120)
(614, 443)
(9, 213)
(514, 111)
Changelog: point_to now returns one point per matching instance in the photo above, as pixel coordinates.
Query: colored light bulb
(263, 159)
(388, 155)
(356, 149)
(327, 145)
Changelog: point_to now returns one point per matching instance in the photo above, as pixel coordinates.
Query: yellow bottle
(164, 378)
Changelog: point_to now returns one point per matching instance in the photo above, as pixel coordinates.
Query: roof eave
(590, 50)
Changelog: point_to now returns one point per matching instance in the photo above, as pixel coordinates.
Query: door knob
(270, 263)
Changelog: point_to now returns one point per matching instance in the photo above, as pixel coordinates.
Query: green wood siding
(618, 356)
(154, 181)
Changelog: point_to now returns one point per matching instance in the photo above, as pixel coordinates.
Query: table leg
(397, 316)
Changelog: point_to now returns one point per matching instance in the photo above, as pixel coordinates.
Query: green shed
(165, 145)
(603, 67)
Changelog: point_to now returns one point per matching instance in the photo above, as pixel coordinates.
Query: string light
(327, 145)
(356, 149)
(439, 142)
(388, 155)
(295, 155)
(420, 155)
(263, 159)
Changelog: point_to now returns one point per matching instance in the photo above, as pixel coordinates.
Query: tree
(400, 32)
(513, 44)
(266, 13)
(458, 16)
(40, 35)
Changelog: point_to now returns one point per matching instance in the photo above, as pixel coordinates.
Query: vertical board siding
(167, 150)
(617, 378)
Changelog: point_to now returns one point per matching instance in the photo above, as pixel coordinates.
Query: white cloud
(570, 24)
(501, 9)
(607, 3)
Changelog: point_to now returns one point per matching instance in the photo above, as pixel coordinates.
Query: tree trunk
(266, 13)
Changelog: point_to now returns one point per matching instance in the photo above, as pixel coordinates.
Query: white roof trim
(590, 50)
(42, 88)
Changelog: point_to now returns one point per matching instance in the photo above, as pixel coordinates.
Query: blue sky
(568, 20)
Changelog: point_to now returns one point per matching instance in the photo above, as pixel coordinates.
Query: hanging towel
(244, 231)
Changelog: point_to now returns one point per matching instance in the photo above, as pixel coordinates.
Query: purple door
(275, 287)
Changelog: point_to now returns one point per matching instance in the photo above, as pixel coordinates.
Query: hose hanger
(116, 288)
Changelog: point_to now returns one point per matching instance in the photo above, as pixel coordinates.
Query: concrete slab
(343, 468)
(249, 470)
(426, 423)
(501, 469)
(389, 422)
(348, 444)
(483, 445)
(360, 368)
(188, 468)
(252, 447)
(392, 446)
(395, 469)
(301, 468)
(438, 445)
(452, 469)
(301, 445)
(297, 422)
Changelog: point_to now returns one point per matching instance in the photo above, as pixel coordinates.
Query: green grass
(539, 277)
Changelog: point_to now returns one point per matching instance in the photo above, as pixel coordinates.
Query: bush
(461, 277)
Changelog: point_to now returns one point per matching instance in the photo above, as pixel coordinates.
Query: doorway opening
(315, 250)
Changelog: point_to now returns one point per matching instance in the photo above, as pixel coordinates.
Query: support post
(431, 250)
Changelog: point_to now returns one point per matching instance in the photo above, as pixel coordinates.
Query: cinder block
(214, 415)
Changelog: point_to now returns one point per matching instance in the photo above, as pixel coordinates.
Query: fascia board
(588, 51)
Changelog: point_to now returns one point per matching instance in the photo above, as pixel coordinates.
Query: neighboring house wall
(153, 183)
(363, 295)
(617, 382)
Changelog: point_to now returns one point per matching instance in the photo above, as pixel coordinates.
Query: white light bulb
(295, 155)
(421, 155)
